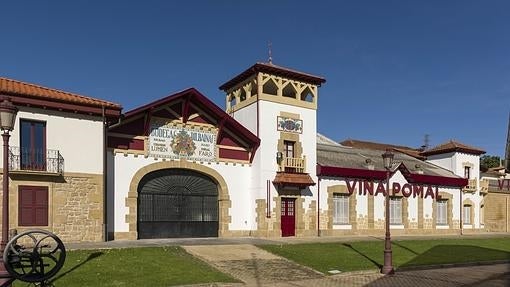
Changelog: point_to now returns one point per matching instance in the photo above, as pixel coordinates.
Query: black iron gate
(177, 203)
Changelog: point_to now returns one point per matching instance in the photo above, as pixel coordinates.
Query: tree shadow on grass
(456, 254)
(396, 243)
(90, 257)
(362, 254)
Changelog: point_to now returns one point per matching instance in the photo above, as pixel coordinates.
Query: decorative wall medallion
(182, 144)
(289, 125)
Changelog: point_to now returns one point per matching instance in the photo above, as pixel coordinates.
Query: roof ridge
(59, 91)
(289, 69)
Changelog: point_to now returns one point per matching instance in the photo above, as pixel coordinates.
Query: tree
(489, 161)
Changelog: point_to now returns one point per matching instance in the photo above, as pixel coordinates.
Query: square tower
(279, 105)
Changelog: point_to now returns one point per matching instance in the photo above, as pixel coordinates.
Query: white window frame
(442, 212)
(340, 208)
(466, 214)
(395, 210)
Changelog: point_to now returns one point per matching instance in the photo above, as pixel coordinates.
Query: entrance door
(177, 203)
(288, 217)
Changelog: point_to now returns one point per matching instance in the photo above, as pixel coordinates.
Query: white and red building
(183, 167)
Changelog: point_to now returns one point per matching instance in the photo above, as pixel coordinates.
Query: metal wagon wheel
(34, 256)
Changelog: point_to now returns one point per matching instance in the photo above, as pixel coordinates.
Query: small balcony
(293, 165)
(35, 161)
(484, 186)
(471, 187)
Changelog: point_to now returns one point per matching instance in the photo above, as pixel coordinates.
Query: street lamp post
(387, 268)
(7, 119)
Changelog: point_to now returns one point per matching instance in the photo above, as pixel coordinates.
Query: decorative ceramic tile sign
(289, 125)
(175, 142)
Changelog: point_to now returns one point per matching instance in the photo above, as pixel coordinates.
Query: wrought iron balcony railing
(36, 160)
(293, 164)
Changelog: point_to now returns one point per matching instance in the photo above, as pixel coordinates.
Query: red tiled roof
(293, 179)
(275, 70)
(22, 93)
(382, 147)
(9, 86)
(453, 146)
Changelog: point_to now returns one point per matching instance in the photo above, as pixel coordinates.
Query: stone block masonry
(78, 209)
(75, 205)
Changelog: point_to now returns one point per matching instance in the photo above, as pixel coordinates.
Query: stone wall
(75, 204)
(78, 208)
(497, 212)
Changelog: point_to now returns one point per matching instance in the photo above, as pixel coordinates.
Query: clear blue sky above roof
(395, 70)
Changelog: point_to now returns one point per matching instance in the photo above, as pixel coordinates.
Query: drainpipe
(318, 206)
(461, 206)
(105, 182)
(268, 198)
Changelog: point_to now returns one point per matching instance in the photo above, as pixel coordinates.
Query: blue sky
(395, 70)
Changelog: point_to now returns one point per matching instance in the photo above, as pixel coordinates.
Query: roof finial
(270, 52)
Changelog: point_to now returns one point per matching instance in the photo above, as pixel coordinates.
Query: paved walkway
(256, 267)
(252, 265)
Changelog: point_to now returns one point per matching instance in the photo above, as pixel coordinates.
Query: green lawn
(151, 266)
(363, 255)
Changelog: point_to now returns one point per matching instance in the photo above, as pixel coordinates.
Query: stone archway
(224, 202)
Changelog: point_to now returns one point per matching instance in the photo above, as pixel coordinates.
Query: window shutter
(33, 205)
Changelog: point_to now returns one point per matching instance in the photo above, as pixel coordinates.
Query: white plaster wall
(446, 161)
(247, 116)
(264, 164)
(237, 178)
(79, 138)
(462, 158)
(379, 207)
(269, 136)
(323, 193)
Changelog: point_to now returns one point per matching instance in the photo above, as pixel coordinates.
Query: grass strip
(366, 255)
(150, 266)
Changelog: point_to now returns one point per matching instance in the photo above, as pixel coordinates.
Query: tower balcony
(35, 161)
(293, 165)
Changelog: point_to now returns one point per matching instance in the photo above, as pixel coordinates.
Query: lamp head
(7, 115)
(387, 159)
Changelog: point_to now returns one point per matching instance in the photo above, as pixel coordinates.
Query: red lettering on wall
(407, 190)
(380, 189)
(396, 188)
(368, 187)
(429, 192)
(351, 188)
(417, 191)
(501, 183)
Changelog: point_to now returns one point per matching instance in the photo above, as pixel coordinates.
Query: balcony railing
(471, 187)
(484, 186)
(293, 164)
(36, 160)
